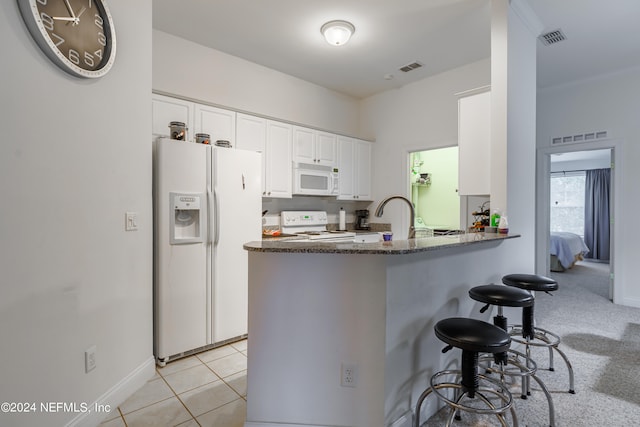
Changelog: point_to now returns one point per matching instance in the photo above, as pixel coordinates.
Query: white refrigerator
(207, 204)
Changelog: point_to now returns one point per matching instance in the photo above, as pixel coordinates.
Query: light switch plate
(131, 221)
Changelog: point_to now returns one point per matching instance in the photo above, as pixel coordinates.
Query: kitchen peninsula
(341, 334)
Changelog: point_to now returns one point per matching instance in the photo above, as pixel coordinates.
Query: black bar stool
(505, 296)
(537, 337)
(472, 337)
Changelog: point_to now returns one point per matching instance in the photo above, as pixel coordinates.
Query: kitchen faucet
(412, 229)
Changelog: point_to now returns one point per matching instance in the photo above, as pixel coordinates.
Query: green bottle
(495, 218)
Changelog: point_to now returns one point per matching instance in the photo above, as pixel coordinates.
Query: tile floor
(207, 389)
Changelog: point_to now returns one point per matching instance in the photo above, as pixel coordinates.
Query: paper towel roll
(342, 223)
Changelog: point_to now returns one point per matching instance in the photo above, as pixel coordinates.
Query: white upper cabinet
(363, 170)
(251, 134)
(314, 147)
(219, 123)
(272, 139)
(474, 144)
(165, 110)
(354, 167)
(279, 180)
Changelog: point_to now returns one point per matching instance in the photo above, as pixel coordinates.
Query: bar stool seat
(535, 336)
(511, 363)
(530, 282)
(472, 337)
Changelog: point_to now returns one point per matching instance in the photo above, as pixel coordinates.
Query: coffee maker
(362, 219)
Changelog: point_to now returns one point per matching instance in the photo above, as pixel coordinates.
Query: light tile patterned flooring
(207, 389)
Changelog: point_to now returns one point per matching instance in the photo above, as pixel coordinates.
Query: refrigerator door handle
(216, 219)
(209, 212)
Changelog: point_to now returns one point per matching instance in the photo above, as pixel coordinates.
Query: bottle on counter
(503, 225)
(495, 218)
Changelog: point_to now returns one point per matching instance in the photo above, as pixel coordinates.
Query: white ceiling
(442, 34)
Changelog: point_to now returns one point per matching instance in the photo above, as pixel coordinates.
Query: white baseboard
(115, 396)
(631, 302)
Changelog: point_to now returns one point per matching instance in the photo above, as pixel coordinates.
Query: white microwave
(314, 180)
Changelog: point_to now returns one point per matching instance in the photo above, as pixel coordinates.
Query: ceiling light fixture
(337, 32)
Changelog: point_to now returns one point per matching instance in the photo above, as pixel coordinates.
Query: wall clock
(77, 35)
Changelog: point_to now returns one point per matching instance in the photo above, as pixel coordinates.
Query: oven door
(312, 182)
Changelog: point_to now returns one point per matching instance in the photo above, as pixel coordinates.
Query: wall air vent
(411, 67)
(552, 37)
(582, 137)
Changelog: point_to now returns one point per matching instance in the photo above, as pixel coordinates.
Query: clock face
(77, 35)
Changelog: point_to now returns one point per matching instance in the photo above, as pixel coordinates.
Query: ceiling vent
(552, 37)
(410, 67)
(583, 137)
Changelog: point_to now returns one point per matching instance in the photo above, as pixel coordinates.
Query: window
(567, 202)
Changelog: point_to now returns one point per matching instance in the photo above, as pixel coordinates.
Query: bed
(565, 249)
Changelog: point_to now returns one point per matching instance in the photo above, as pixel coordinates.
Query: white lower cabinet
(354, 166)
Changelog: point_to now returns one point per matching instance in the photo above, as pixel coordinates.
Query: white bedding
(566, 246)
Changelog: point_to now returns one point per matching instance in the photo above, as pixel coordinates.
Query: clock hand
(66, 2)
(76, 20)
(63, 18)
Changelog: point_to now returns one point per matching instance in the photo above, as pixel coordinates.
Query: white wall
(609, 103)
(75, 156)
(190, 70)
(418, 116)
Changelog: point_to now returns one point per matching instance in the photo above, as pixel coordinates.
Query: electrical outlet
(90, 358)
(349, 375)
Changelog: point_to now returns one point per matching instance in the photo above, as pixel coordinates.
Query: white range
(312, 226)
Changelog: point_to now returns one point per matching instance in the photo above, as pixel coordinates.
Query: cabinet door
(326, 148)
(474, 139)
(278, 160)
(362, 168)
(165, 109)
(251, 134)
(346, 171)
(217, 122)
(304, 145)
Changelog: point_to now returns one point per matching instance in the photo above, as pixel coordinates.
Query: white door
(180, 283)
(238, 205)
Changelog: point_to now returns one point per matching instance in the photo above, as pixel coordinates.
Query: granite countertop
(396, 247)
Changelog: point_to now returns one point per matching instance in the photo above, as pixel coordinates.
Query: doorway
(572, 160)
(433, 183)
